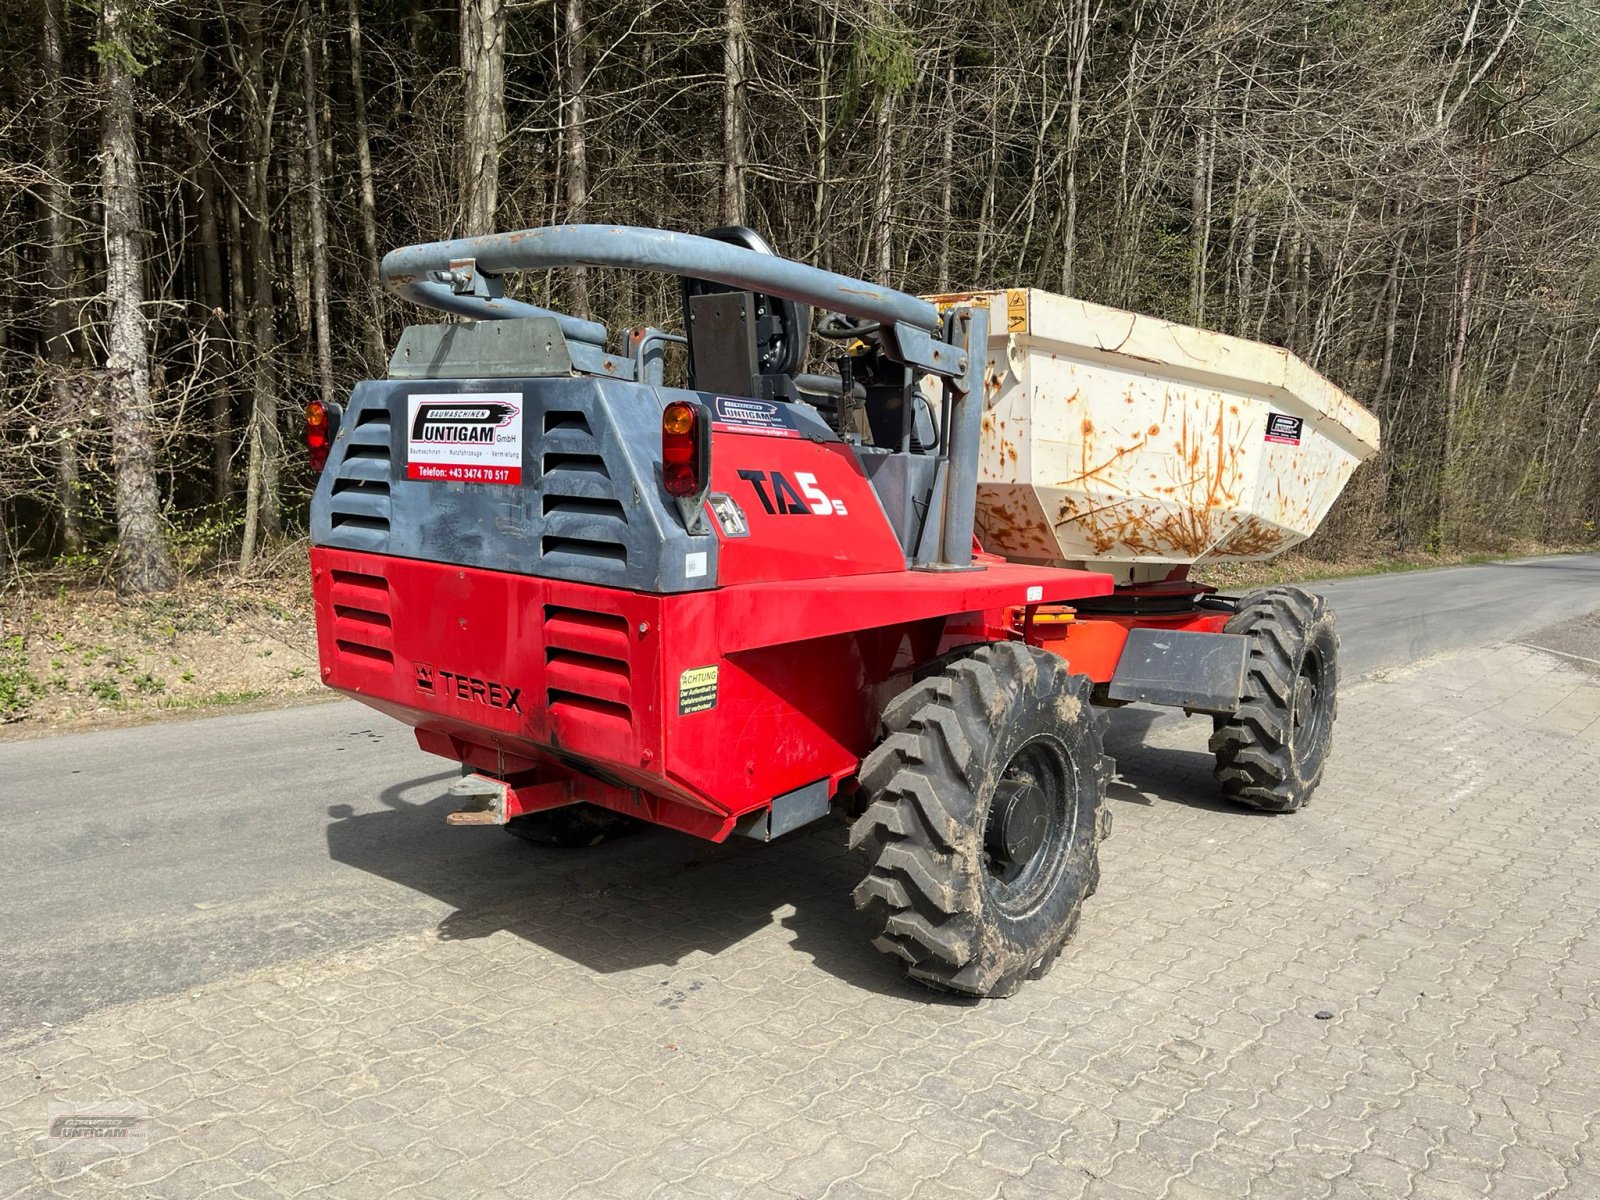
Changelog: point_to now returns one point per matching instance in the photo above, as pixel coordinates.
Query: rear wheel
(573, 826)
(1271, 752)
(982, 835)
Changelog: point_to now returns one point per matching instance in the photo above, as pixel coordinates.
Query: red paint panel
(811, 510)
(516, 674)
(769, 614)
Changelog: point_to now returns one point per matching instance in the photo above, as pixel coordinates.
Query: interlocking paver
(711, 1022)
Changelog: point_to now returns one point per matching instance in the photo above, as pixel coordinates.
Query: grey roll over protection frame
(463, 277)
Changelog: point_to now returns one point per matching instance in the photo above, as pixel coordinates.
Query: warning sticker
(467, 437)
(697, 690)
(752, 416)
(1283, 428)
(1017, 310)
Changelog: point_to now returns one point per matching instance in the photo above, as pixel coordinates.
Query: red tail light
(685, 449)
(319, 434)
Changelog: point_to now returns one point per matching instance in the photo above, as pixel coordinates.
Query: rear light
(685, 449)
(319, 434)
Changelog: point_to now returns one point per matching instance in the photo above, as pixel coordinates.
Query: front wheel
(1271, 752)
(983, 831)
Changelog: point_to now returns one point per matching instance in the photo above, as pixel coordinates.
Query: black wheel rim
(1308, 710)
(1028, 824)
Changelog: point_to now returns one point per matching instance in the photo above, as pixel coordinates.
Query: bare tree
(367, 196)
(733, 165)
(63, 319)
(143, 562)
(261, 512)
(318, 219)
(577, 83)
(483, 37)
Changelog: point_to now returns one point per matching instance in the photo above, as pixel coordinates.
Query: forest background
(194, 195)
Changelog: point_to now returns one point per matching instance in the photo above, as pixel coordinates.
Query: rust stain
(1186, 516)
(1255, 538)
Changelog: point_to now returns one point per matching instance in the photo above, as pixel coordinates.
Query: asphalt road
(150, 860)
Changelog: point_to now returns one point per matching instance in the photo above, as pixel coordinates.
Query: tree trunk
(1458, 358)
(1391, 322)
(822, 245)
(61, 327)
(143, 562)
(211, 357)
(266, 443)
(947, 171)
(1080, 57)
(483, 42)
(733, 60)
(319, 228)
(577, 147)
(367, 196)
(883, 193)
(1204, 156)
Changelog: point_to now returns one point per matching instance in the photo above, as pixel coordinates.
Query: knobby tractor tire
(1271, 753)
(996, 752)
(573, 827)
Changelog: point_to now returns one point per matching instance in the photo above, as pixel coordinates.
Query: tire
(572, 827)
(998, 745)
(1271, 753)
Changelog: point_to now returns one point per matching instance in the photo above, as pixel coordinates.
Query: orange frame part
(1093, 645)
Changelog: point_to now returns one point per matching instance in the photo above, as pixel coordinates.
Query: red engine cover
(812, 512)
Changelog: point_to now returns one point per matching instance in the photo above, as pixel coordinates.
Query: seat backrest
(744, 342)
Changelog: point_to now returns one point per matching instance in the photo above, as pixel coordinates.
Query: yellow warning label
(697, 690)
(1017, 310)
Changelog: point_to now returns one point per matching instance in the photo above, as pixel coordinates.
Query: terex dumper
(895, 590)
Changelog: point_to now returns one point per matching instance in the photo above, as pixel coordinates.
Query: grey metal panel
(530, 346)
(965, 435)
(590, 509)
(904, 484)
(431, 273)
(722, 336)
(1203, 672)
(788, 812)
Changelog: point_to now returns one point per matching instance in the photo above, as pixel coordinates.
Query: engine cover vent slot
(588, 551)
(588, 672)
(363, 620)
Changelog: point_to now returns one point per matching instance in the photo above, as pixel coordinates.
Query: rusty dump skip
(1115, 438)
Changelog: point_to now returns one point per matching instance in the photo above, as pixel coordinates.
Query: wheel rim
(1308, 709)
(1030, 818)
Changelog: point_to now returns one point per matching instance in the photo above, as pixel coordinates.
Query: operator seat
(742, 343)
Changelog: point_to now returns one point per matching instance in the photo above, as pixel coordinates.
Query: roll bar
(463, 277)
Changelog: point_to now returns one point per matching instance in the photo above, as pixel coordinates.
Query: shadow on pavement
(656, 897)
(650, 899)
(1149, 775)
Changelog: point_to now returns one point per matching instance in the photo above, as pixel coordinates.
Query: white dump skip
(1111, 437)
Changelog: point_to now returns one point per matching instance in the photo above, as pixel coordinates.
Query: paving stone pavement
(698, 1021)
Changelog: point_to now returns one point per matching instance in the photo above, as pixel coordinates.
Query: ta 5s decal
(801, 498)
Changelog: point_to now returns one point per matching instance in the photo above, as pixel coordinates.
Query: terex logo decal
(457, 424)
(785, 500)
(469, 688)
